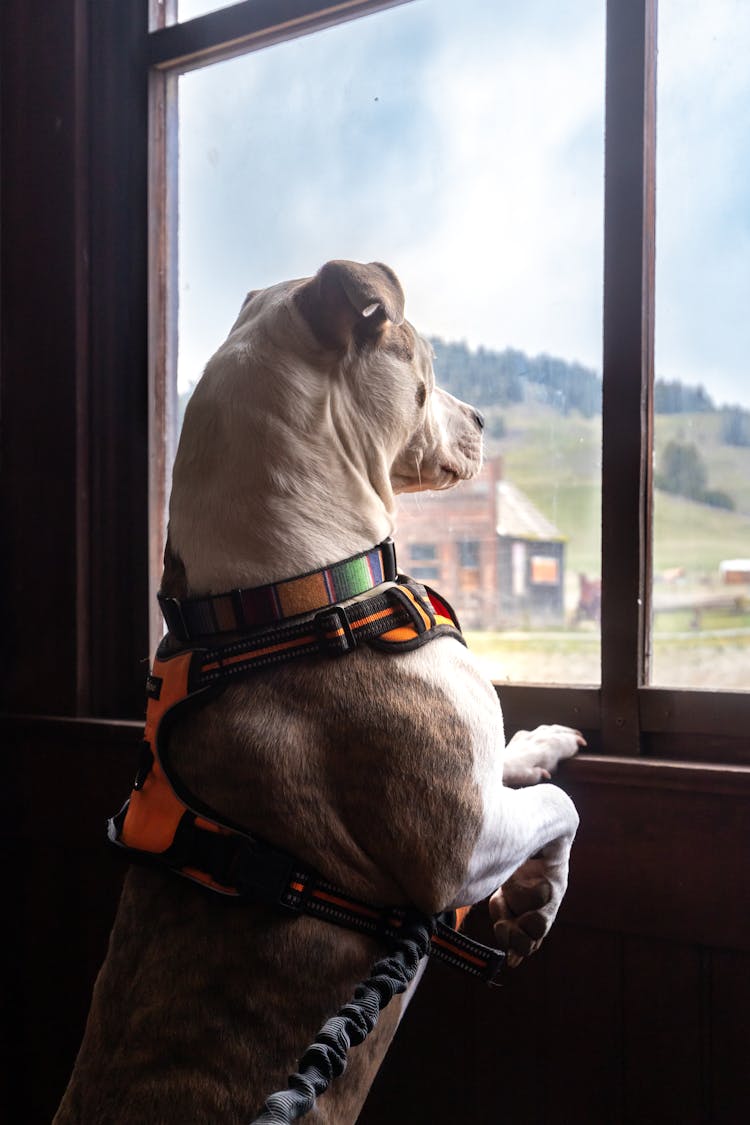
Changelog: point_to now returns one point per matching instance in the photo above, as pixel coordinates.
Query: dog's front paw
(532, 755)
(522, 911)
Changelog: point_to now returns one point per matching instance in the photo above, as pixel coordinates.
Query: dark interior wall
(73, 362)
(636, 1009)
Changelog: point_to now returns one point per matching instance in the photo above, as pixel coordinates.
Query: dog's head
(320, 405)
(355, 314)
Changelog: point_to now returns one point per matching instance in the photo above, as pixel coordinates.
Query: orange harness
(165, 822)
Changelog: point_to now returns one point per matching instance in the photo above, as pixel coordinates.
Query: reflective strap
(238, 864)
(398, 611)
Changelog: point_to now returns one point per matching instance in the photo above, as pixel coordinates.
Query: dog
(386, 772)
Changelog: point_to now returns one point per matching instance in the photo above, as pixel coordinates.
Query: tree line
(501, 378)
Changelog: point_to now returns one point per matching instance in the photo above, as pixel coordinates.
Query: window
(317, 87)
(468, 555)
(701, 573)
(425, 573)
(482, 189)
(420, 551)
(545, 570)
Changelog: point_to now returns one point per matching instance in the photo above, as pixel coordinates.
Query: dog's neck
(241, 516)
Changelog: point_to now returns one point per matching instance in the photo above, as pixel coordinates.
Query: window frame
(624, 716)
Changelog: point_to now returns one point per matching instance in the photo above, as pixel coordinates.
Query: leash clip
(333, 631)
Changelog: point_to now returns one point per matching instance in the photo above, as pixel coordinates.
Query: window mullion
(627, 365)
(242, 27)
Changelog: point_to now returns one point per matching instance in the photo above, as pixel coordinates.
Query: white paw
(531, 756)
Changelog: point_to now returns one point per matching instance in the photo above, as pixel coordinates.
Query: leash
(326, 1058)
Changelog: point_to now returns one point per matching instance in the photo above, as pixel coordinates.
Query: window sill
(657, 773)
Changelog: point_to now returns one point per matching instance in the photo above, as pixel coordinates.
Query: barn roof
(517, 518)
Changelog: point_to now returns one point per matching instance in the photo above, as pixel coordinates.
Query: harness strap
(251, 608)
(398, 617)
(163, 821)
(238, 865)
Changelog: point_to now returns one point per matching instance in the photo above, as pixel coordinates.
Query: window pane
(463, 145)
(167, 12)
(189, 9)
(701, 580)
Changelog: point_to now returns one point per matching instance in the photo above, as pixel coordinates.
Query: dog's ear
(248, 299)
(346, 298)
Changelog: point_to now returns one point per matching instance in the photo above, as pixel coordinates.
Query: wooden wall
(635, 1010)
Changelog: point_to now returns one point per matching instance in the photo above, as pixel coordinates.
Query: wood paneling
(658, 847)
(61, 892)
(44, 243)
(74, 387)
(728, 1001)
(634, 1011)
(118, 381)
(664, 1032)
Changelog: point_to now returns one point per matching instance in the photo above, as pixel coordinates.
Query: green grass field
(556, 461)
(718, 659)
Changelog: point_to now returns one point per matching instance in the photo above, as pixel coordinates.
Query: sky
(463, 144)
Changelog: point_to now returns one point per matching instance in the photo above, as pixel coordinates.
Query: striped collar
(190, 618)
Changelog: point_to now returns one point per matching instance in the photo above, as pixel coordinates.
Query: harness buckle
(410, 605)
(333, 631)
(260, 872)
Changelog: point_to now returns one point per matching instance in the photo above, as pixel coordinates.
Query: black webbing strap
(254, 870)
(332, 631)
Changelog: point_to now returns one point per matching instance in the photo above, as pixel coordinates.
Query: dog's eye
(421, 394)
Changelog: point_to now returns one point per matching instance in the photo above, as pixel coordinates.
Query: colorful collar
(190, 618)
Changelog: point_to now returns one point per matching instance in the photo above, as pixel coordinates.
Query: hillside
(685, 414)
(544, 417)
(556, 460)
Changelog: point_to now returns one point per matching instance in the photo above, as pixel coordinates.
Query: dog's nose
(479, 419)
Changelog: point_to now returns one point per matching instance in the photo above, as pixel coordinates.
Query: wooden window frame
(90, 648)
(623, 716)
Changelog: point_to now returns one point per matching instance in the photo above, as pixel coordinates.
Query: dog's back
(204, 1006)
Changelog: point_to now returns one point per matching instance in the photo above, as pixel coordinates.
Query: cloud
(464, 146)
(517, 256)
(703, 197)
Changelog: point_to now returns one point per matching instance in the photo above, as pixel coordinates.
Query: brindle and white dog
(387, 773)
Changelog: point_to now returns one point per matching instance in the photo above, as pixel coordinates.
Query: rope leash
(326, 1058)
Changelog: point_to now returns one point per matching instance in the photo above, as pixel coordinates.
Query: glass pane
(701, 580)
(163, 13)
(189, 9)
(463, 145)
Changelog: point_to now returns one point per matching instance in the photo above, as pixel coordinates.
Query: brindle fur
(382, 771)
